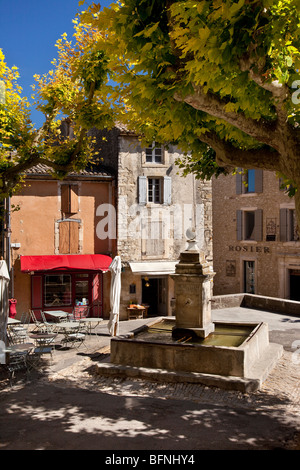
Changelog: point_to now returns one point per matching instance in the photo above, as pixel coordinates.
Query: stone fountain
(191, 347)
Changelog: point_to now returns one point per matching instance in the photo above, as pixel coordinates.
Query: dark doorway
(295, 285)
(154, 294)
(249, 277)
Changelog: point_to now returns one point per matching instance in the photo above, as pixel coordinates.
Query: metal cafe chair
(38, 324)
(25, 319)
(16, 336)
(79, 311)
(19, 330)
(17, 361)
(49, 327)
(35, 357)
(75, 337)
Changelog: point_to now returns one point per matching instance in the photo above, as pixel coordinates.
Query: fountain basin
(233, 349)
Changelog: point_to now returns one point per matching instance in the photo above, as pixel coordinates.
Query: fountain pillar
(192, 280)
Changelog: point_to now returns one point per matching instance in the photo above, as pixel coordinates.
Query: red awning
(65, 262)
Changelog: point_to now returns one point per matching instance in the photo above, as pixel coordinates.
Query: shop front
(65, 281)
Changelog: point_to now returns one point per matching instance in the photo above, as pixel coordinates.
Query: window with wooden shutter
(258, 225)
(288, 225)
(249, 225)
(167, 190)
(258, 181)
(153, 238)
(69, 237)
(249, 182)
(142, 188)
(69, 198)
(239, 225)
(155, 190)
(239, 181)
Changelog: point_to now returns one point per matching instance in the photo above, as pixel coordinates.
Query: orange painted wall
(34, 227)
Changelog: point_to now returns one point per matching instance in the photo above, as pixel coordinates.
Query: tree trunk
(297, 207)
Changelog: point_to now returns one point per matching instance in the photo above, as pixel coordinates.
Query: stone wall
(190, 202)
(274, 259)
(189, 199)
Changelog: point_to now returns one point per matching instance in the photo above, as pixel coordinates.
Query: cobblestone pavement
(279, 395)
(72, 408)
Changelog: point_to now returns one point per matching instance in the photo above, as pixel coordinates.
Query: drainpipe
(8, 244)
(2, 222)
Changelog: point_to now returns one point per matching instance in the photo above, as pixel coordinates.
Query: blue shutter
(167, 191)
(142, 183)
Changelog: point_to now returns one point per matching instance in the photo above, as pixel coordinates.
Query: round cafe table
(92, 322)
(42, 335)
(67, 325)
(43, 338)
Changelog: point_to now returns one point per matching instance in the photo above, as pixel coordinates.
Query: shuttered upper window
(250, 181)
(288, 225)
(155, 190)
(69, 237)
(249, 225)
(69, 198)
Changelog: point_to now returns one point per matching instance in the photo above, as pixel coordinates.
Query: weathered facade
(156, 205)
(59, 219)
(134, 203)
(255, 241)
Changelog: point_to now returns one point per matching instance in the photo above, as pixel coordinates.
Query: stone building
(133, 202)
(155, 207)
(255, 241)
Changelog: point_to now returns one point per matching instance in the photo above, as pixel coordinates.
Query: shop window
(69, 198)
(81, 288)
(69, 237)
(67, 290)
(57, 290)
(249, 225)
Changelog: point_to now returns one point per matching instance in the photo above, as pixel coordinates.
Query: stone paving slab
(71, 407)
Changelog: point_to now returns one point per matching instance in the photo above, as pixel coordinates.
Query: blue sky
(29, 30)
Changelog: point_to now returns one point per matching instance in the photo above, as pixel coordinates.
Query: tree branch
(279, 90)
(229, 156)
(261, 131)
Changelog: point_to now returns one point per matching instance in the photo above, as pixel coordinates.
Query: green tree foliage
(75, 89)
(218, 78)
